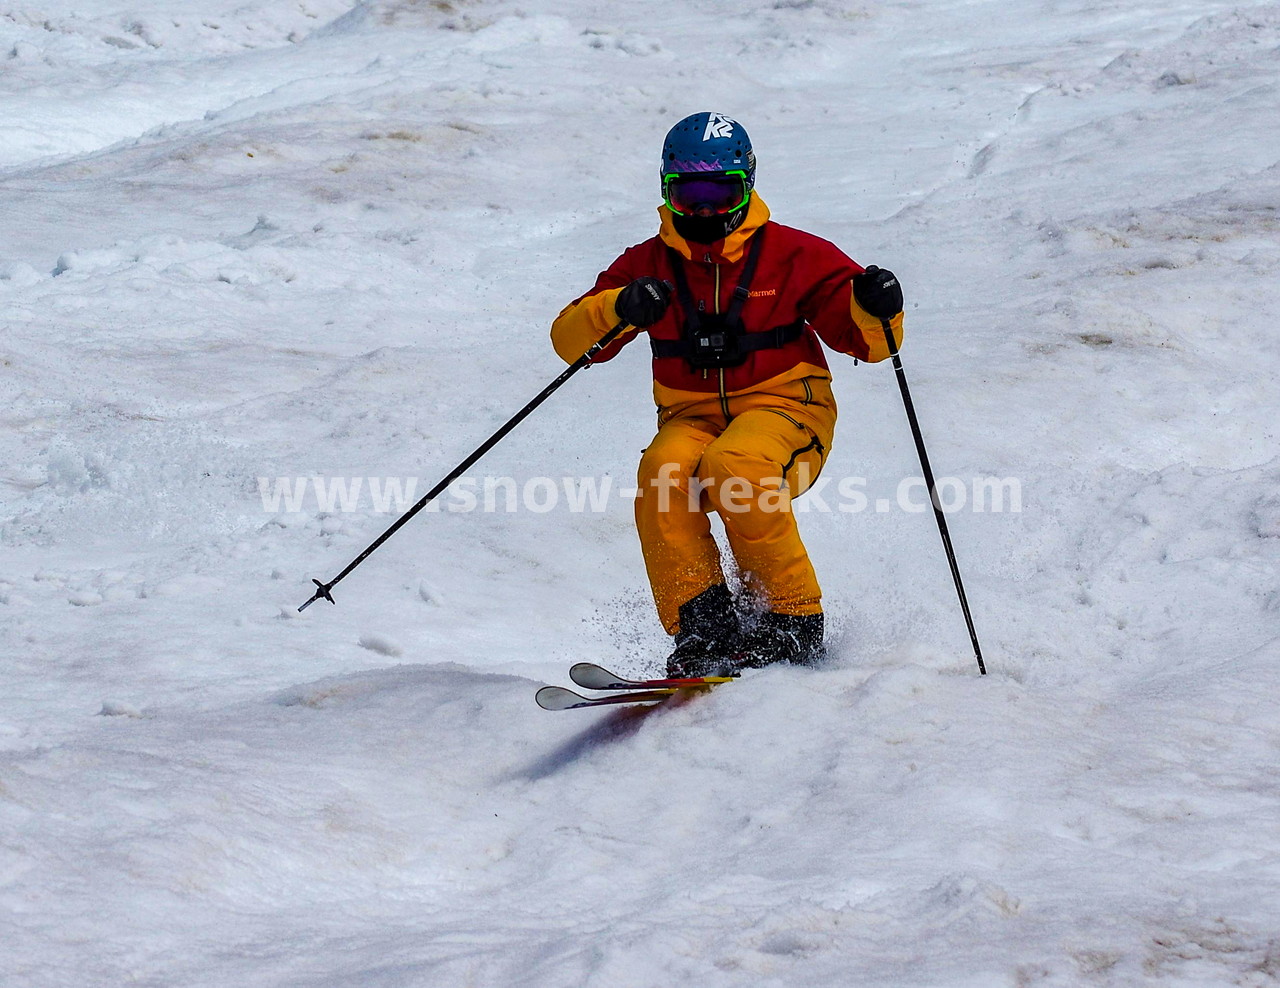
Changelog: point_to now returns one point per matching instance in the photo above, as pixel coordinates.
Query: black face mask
(708, 229)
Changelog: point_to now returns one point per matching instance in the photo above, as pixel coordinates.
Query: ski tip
(558, 698)
(591, 676)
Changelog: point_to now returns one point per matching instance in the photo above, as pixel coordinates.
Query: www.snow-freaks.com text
(541, 495)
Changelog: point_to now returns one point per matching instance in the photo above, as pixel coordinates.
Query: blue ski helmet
(708, 142)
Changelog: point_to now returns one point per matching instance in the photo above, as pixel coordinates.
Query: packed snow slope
(316, 239)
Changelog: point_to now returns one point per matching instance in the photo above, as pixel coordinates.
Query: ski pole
(933, 490)
(325, 589)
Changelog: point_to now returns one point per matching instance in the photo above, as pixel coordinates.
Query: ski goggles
(717, 193)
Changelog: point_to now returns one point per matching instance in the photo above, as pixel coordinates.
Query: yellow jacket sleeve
(584, 323)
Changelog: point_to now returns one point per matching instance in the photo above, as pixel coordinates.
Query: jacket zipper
(702, 307)
(724, 398)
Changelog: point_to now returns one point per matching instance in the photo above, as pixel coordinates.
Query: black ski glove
(643, 302)
(878, 293)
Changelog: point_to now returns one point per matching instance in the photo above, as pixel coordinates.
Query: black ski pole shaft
(933, 490)
(325, 589)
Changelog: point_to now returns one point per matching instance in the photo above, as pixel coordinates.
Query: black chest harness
(719, 339)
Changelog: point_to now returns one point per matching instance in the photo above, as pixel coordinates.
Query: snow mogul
(734, 305)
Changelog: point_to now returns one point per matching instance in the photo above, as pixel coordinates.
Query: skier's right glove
(878, 292)
(643, 302)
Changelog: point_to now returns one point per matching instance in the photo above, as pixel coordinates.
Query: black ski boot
(709, 635)
(796, 639)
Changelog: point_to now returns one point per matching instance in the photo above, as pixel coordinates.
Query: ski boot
(796, 639)
(708, 638)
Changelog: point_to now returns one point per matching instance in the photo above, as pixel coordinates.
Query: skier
(734, 305)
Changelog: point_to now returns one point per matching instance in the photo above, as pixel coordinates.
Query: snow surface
(286, 239)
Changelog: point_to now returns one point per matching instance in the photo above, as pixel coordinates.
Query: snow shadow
(617, 726)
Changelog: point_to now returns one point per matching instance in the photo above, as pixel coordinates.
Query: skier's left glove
(877, 293)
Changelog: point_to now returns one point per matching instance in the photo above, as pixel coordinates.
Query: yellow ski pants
(746, 467)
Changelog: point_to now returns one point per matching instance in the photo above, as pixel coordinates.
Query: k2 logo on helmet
(718, 125)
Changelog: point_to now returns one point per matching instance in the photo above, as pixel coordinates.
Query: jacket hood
(726, 251)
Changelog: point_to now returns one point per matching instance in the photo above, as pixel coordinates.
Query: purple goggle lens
(691, 194)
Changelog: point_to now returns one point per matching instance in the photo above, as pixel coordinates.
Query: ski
(590, 676)
(559, 698)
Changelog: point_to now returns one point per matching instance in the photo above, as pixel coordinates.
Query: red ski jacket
(798, 276)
